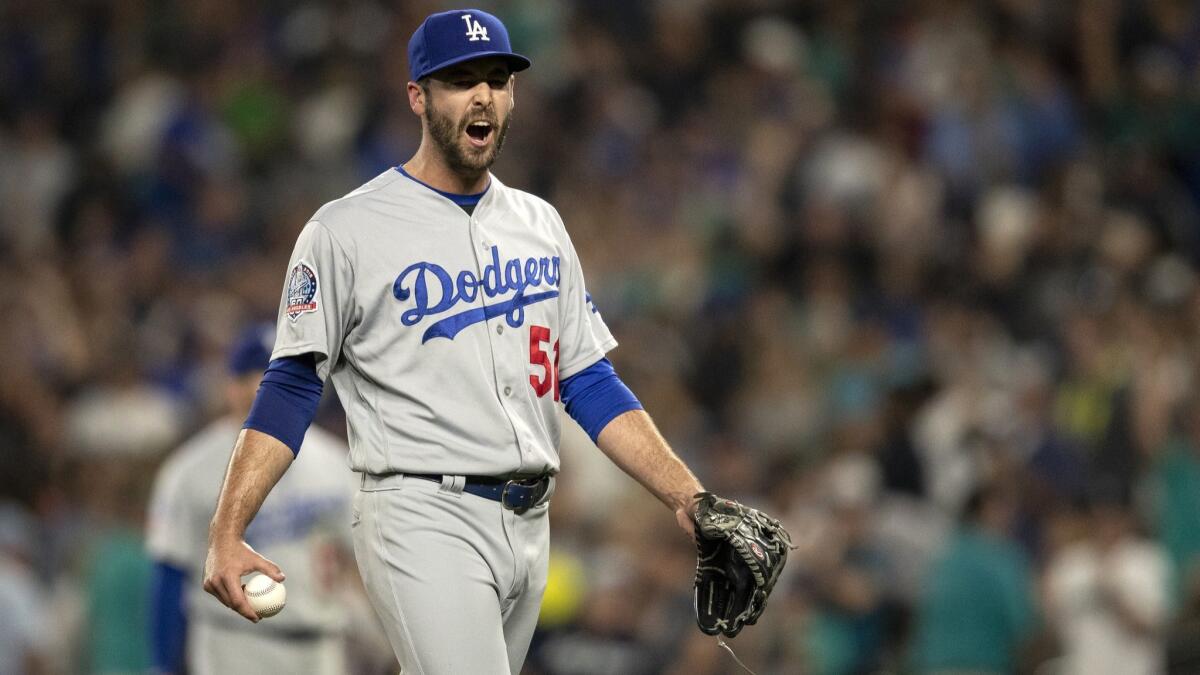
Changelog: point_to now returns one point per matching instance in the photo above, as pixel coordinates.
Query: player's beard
(447, 136)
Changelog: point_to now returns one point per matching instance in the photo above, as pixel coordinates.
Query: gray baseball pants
(240, 650)
(456, 579)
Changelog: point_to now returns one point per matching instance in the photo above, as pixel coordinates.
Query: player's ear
(512, 92)
(416, 98)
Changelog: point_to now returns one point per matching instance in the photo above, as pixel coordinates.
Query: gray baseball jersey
(445, 334)
(302, 518)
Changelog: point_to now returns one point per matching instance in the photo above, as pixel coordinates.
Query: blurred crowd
(921, 278)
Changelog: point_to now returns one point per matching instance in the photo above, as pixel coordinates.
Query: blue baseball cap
(459, 35)
(251, 351)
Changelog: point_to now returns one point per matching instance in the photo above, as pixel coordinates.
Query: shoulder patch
(301, 290)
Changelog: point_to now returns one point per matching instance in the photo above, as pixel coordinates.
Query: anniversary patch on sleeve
(301, 290)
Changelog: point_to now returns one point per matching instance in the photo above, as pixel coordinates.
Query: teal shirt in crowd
(1177, 479)
(118, 580)
(976, 608)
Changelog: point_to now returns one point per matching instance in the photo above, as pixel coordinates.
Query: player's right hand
(228, 561)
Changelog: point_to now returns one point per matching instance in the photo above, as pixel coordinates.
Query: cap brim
(516, 62)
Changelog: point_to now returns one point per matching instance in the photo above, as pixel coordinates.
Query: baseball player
(449, 310)
(301, 525)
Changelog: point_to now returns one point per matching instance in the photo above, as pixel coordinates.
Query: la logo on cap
(439, 42)
(474, 30)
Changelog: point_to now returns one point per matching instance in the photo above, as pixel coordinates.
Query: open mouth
(479, 133)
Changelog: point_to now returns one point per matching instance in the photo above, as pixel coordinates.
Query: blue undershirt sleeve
(168, 621)
(287, 400)
(595, 396)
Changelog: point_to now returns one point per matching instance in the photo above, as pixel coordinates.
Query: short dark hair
(1108, 490)
(984, 495)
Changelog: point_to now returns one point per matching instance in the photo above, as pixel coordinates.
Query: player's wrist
(684, 501)
(221, 535)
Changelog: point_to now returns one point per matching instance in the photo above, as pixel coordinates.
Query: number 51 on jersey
(538, 336)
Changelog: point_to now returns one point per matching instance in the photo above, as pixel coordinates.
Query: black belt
(300, 634)
(297, 634)
(517, 494)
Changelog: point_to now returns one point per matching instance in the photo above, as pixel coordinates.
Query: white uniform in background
(301, 526)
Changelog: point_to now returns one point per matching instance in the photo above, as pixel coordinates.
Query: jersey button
(508, 391)
(500, 329)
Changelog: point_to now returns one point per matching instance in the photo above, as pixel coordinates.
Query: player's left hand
(741, 553)
(228, 561)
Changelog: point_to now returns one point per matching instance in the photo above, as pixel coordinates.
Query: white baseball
(266, 595)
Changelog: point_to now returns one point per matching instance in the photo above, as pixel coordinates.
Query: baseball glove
(741, 553)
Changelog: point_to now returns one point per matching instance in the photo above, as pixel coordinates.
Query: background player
(450, 312)
(302, 525)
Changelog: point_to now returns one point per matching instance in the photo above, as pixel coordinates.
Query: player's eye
(498, 82)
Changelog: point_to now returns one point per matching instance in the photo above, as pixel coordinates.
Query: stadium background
(909, 275)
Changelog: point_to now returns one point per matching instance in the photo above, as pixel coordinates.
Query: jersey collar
(459, 199)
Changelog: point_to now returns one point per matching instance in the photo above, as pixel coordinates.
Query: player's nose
(481, 95)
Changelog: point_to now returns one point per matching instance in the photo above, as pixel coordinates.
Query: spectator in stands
(1106, 595)
(977, 608)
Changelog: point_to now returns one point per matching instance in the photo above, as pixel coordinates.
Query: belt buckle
(526, 499)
